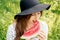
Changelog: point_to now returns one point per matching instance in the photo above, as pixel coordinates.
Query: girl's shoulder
(11, 29)
(11, 26)
(10, 32)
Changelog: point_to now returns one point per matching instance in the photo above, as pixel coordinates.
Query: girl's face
(35, 16)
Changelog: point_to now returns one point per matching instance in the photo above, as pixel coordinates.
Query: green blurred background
(8, 8)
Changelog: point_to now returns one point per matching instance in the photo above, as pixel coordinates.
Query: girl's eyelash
(38, 13)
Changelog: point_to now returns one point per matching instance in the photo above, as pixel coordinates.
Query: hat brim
(37, 8)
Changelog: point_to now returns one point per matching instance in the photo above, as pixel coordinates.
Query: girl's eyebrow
(37, 12)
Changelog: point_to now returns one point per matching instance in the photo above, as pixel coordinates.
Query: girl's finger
(39, 37)
(42, 35)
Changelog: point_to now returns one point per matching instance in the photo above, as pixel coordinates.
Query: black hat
(30, 6)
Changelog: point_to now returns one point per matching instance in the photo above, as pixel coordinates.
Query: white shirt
(11, 30)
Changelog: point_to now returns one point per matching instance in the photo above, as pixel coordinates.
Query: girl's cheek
(38, 16)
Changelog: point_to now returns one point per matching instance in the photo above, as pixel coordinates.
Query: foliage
(8, 8)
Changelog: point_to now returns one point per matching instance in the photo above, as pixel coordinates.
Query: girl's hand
(42, 36)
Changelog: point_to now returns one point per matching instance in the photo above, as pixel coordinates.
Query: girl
(27, 25)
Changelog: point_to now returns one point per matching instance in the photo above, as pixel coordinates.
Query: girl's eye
(39, 13)
(32, 14)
